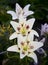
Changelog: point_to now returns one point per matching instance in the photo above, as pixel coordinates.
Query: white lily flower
(26, 48)
(23, 27)
(19, 11)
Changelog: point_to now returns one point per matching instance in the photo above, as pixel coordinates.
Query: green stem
(27, 61)
(10, 56)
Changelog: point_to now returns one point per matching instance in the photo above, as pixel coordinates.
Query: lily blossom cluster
(24, 33)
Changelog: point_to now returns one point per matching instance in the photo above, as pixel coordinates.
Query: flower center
(23, 31)
(25, 48)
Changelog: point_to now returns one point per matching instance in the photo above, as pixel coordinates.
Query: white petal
(14, 16)
(18, 8)
(30, 22)
(28, 13)
(31, 35)
(43, 40)
(26, 8)
(22, 55)
(14, 25)
(22, 19)
(13, 36)
(21, 39)
(36, 45)
(34, 32)
(13, 48)
(33, 55)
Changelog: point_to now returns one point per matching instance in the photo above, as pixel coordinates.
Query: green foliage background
(40, 7)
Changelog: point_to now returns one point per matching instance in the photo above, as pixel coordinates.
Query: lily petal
(18, 8)
(26, 8)
(28, 13)
(21, 39)
(22, 55)
(13, 36)
(14, 16)
(30, 22)
(34, 56)
(22, 19)
(31, 35)
(13, 48)
(34, 32)
(42, 40)
(36, 45)
(14, 25)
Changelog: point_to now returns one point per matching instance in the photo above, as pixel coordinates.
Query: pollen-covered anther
(18, 48)
(31, 47)
(27, 27)
(28, 42)
(29, 52)
(22, 43)
(28, 32)
(22, 25)
(23, 52)
(18, 28)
